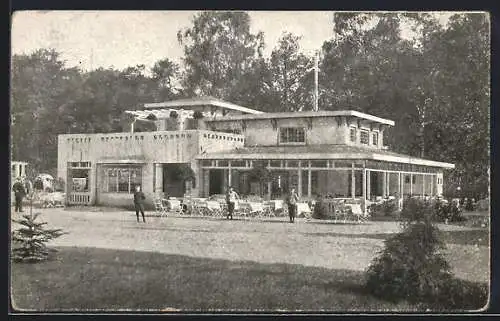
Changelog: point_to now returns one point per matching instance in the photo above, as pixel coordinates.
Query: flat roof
(300, 114)
(321, 152)
(202, 101)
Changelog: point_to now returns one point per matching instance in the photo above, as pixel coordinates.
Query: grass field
(212, 264)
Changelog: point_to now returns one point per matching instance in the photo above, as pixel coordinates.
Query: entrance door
(78, 182)
(173, 182)
(216, 180)
(374, 182)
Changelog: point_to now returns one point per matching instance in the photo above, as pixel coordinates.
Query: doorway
(216, 181)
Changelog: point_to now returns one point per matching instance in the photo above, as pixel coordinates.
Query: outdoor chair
(175, 206)
(357, 212)
(279, 208)
(198, 207)
(341, 210)
(241, 208)
(303, 209)
(255, 209)
(214, 208)
(160, 208)
(268, 209)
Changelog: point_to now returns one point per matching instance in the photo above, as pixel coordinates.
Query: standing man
(231, 198)
(139, 203)
(19, 193)
(292, 200)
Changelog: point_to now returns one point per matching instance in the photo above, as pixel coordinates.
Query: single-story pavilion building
(336, 153)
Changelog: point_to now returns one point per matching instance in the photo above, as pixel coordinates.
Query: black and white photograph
(210, 161)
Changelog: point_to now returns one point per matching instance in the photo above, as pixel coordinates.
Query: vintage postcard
(250, 161)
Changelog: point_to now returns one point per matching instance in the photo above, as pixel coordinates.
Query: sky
(119, 39)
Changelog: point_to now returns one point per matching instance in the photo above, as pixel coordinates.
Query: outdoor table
(303, 208)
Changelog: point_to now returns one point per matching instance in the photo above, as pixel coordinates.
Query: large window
(352, 134)
(364, 137)
(292, 135)
(122, 179)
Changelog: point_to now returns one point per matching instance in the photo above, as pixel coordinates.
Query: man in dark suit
(19, 193)
(292, 200)
(139, 203)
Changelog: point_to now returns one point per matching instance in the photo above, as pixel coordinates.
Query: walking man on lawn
(19, 193)
(292, 200)
(139, 203)
(231, 198)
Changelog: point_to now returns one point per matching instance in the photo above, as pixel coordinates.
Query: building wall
(148, 147)
(363, 125)
(262, 132)
(319, 130)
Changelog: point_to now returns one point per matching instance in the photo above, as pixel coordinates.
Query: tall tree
(292, 79)
(39, 87)
(435, 86)
(219, 53)
(165, 73)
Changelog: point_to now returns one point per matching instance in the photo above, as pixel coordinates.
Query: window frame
(375, 141)
(353, 129)
(131, 184)
(297, 134)
(367, 132)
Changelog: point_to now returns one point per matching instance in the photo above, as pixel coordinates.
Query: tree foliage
(435, 85)
(291, 84)
(219, 55)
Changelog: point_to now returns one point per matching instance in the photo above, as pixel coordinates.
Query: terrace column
(423, 185)
(364, 190)
(411, 184)
(132, 125)
(158, 178)
(353, 182)
(401, 189)
(388, 183)
(309, 180)
(229, 175)
(299, 188)
(432, 185)
(384, 184)
(368, 185)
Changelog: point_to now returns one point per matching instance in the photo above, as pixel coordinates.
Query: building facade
(340, 154)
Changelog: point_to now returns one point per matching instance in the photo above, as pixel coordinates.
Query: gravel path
(310, 243)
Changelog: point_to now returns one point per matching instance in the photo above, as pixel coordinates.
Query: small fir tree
(31, 238)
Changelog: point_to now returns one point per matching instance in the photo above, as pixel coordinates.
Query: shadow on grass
(468, 237)
(103, 279)
(93, 279)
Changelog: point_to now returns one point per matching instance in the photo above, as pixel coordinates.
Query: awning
(156, 114)
(122, 161)
(321, 152)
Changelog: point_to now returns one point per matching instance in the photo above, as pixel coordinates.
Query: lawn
(215, 264)
(474, 237)
(94, 279)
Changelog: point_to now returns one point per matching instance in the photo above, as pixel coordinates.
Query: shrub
(417, 210)
(411, 266)
(448, 212)
(387, 208)
(31, 239)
